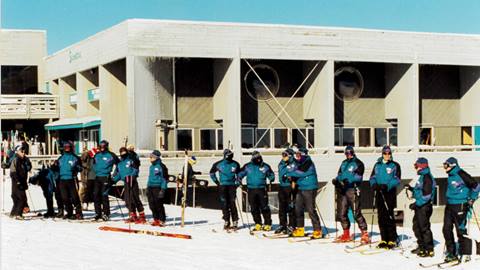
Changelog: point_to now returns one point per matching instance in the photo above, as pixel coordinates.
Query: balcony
(29, 106)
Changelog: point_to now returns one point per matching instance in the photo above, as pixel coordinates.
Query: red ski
(155, 233)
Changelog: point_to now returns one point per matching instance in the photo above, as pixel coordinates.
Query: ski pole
(118, 204)
(240, 210)
(30, 196)
(373, 215)
(476, 219)
(246, 213)
(321, 218)
(336, 214)
(354, 213)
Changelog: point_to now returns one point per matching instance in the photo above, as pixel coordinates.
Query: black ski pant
(100, 195)
(286, 206)
(386, 218)
(456, 215)
(305, 202)
(19, 198)
(227, 195)
(421, 226)
(58, 196)
(89, 197)
(156, 198)
(258, 200)
(350, 200)
(132, 195)
(70, 198)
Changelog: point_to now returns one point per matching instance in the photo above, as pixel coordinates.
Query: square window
(220, 139)
(297, 137)
(348, 136)
(392, 136)
(247, 137)
(364, 136)
(281, 137)
(184, 139)
(380, 136)
(207, 139)
(425, 136)
(262, 138)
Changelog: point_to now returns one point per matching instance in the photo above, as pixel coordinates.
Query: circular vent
(254, 86)
(348, 84)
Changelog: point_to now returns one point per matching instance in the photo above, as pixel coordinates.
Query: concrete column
(150, 90)
(318, 104)
(114, 104)
(65, 90)
(402, 101)
(85, 108)
(469, 96)
(226, 102)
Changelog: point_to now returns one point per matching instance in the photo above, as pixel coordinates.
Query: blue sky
(69, 21)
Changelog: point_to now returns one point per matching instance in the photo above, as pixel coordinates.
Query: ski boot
(19, 217)
(234, 225)
(68, 216)
(391, 245)
(226, 225)
(59, 214)
(267, 228)
(257, 228)
(156, 222)
(48, 215)
(132, 218)
(345, 237)
(289, 230)
(79, 216)
(317, 234)
(416, 250)
(97, 217)
(281, 230)
(26, 210)
(465, 258)
(425, 253)
(365, 239)
(382, 245)
(450, 258)
(141, 218)
(298, 232)
(105, 217)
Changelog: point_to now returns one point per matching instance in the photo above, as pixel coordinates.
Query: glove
(161, 194)
(412, 206)
(21, 186)
(335, 182)
(408, 187)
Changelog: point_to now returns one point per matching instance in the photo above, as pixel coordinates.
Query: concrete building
(26, 106)
(177, 85)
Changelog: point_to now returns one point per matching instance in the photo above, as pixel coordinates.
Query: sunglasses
(387, 154)
(284, 155)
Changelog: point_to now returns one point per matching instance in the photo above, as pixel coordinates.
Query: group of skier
(297, 191)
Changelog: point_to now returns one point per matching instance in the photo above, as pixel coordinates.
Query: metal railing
(29, 106)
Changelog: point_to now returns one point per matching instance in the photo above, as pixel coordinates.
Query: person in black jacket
(19, 168)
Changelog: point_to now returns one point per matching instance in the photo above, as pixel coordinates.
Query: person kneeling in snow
(423, 192)
(157, 188)
(127, 171)
(46, 179)
(257, 173)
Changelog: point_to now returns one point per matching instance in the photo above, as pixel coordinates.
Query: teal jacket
(103, 163)
(305, 173)
(158, 175)
(425, 189)
(126, 167)
(461, 187)
(283, 168)
(351, 172)
(257, 174)
(227, 171)
(386, 174)
(69, 166)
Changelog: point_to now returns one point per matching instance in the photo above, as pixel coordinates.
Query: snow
(47, 244)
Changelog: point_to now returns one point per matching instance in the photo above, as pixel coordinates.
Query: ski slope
(46, 244)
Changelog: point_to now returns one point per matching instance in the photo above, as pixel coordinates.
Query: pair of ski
(307, 238)
(445, 265)
(147, 232)
(367, 249)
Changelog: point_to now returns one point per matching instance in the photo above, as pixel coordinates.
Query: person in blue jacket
(127, 170)
(385, 178)
(306, 178)
(258, 173)
(286, 194)
(103, 163)
(69, 165)
(347, 182)
(157, 188)
(227, 168)
(424, 194)
(462, 191)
